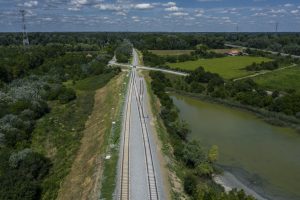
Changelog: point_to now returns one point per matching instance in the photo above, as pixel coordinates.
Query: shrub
(66, 95)
(190, 183)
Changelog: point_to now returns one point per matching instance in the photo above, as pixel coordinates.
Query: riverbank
(228, 181)
(261, 156)
(273, 118)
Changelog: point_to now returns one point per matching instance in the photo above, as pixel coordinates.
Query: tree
(193, 154)
(204, 169)
(196, 87)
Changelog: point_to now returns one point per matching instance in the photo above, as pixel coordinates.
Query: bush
(190, 183)
(196, 87)
(66, 95)
(19, 106)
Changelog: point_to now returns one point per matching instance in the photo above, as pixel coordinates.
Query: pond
(264, 157)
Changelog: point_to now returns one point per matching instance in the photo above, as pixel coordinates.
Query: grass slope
(281, 80)
(171, 52)
(57, 135)
(83, 181)
(227, 67)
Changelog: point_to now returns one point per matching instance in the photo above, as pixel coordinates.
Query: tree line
(153, 60)
(246, 92)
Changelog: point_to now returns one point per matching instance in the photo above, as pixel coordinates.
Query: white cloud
(74, 9)
(199, 13)
(278, 11)
(172, 9)
(179, 14)
(143, 6)
(169, 4)
(121, 13)
(108, 7)
(79, 2)
(49, 19)
(259, 14)
(30, 4)
(288, 5)
(295, 11)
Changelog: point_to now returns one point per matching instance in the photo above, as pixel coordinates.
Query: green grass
(94, 82)
(281, 80)
(57, 135)
(171, 52)
(227, 67)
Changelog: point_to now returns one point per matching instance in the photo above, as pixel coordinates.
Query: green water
(265, 157)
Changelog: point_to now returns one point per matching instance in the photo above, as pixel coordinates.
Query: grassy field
(58, 134)
(171, 52)
(223, 51)
(281, 80)
(227, 67)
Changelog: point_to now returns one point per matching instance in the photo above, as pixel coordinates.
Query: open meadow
(282, 80)
(227, 67)
(171, 52)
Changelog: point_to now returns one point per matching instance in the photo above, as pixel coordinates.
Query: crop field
(227, 67)
(281, 80)
(171, 52)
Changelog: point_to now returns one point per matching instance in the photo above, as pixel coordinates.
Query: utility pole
(237, 32)
(237, 28)
(25, 35)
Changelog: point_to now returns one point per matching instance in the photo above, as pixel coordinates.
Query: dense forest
(31, 79)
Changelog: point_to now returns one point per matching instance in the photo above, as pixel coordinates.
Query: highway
(139, 169)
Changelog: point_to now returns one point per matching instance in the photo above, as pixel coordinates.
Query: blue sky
(151, 15)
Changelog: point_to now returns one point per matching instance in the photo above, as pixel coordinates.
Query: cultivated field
(281, 80)
(227, 67)
(171, 52)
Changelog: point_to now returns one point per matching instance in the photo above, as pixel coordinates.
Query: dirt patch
(83, 181)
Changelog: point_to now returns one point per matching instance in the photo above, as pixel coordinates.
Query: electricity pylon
(25, 35)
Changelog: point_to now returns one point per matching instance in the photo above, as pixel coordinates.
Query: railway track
(125, 179)
(125, 164)
(152, 185)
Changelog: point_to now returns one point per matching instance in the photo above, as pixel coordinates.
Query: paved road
(272, 52)
(138, 163)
